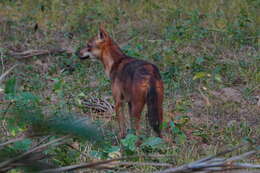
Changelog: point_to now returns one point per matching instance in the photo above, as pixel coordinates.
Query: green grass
(200, 48)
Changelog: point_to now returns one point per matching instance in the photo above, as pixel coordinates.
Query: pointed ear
(102, 33)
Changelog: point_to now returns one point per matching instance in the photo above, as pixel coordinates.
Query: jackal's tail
(154, 104)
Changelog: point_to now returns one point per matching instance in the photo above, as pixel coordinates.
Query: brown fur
(134, 81)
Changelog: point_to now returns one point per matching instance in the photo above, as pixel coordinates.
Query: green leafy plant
(176, 125)
(180, 137)
(129, 143)
(152, 143)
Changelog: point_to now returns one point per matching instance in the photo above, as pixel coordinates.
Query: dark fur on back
(130, 69)
(135, 70)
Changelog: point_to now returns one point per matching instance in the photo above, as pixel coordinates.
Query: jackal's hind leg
(136, 111)
(120, 118)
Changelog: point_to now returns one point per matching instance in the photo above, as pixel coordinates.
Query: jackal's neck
(111, 55)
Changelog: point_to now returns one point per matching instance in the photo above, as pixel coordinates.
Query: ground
(207, 53)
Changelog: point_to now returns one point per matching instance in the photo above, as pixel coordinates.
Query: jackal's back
(134, 69)
(131, 73)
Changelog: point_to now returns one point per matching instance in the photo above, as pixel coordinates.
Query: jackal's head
(94, 46)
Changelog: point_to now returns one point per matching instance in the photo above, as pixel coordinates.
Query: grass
(200, 48)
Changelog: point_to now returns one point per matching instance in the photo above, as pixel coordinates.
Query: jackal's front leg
(118, 98)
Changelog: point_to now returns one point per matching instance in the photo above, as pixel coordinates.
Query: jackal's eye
(89, 45)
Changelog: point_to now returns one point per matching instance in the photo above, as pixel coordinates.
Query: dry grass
(175, 35)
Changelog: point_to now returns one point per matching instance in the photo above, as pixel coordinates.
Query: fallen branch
(212, 163)
(8, 163)
(108, 164)
(12, 141)
(209, 164)
(7, 72)
(32, 53)
(80, 166)
(142, 164)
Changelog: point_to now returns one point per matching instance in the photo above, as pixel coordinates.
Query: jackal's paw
(121, 135)
(167, 139)
(138, 143)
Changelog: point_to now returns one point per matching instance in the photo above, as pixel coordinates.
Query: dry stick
(204, 97)
(5, 163)
(101, 163)
(85, 155)
(6, 110)
(11, 141)
(221, 153)
(142, 164)
(242, 156)
(31, 53)
(79, 166)
(246, 165)
(2, 61)
(33, 160)
(3, 117)
(41, 141)
(1, 78)
(208, 167)
(138, 156)
(215, 164)
(6, 73)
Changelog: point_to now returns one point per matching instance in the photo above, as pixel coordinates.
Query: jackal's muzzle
(83, 55)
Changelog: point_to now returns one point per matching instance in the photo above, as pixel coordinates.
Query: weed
(200, 47)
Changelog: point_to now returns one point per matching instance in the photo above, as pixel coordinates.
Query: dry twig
(208, 164)
(32, 53)
(12, 141)
(7, 72)
(213, 163)
(28, 155)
